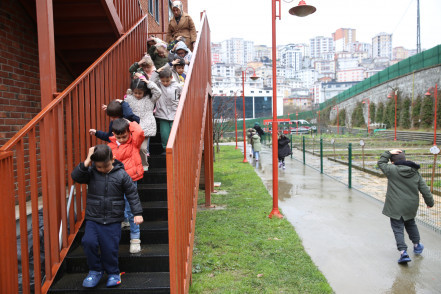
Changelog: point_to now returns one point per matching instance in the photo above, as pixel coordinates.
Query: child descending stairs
(144, 272)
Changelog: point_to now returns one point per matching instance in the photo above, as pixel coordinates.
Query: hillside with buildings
(307, 74)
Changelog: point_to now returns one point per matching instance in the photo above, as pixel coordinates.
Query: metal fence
(353, 161)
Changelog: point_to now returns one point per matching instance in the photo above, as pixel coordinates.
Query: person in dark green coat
(402, 199)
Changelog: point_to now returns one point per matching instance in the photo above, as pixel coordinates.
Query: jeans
(134, 228)
(101, 244)
(256, 155)
(398, 229)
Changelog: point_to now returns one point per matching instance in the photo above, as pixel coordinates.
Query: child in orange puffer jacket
(125, 144)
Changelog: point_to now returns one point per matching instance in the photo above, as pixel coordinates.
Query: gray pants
(398, 229)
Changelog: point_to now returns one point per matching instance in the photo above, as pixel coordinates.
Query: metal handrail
(69, 201)
(190, 135)
(46, 149)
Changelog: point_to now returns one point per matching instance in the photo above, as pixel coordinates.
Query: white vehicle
(302, 126)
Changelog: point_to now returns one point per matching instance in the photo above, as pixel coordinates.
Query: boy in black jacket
(107, 183)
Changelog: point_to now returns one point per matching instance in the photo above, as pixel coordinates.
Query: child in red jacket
(125, 144)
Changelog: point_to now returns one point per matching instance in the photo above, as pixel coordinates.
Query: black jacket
(284, 148)
(127, 114)
(105, 193)
(259, 130)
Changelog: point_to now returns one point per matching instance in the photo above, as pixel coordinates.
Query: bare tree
(223, 116)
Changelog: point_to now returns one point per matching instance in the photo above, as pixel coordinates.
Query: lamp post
(436, 102)
(395, 98)
(235, 115)
(369, 113)
(338, 119)
(297, 122)
(300, 10)
(254, 77)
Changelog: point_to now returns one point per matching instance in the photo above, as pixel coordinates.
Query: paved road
(347, 236)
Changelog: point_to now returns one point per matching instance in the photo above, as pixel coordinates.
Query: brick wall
(19, 71)
(153, 25)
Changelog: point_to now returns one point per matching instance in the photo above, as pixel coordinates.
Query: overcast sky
(251, 20)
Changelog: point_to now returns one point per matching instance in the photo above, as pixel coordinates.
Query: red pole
(235, 115)
(369, 115)
(297, 123)
(395, 97)
(244, 131)
(275, 211)
(436, 102)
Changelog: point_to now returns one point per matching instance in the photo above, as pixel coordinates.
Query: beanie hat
(398, 157)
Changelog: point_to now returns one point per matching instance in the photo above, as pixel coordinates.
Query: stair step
(131, 283)
(157, 161)
(154, 176)
(152, 258)
(152, 192)
(152, 232)
(155, 210)
(156, 147)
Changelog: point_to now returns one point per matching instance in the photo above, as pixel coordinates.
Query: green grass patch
(238, 249)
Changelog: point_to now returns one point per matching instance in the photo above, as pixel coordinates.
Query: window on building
(151, 7)
(252, 91)
(170, 11)
(157, 11)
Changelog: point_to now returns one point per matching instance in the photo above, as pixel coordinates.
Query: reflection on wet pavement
(346, 234)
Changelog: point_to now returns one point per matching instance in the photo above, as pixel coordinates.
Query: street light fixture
(436, 102)
(369, 113)
(338, 119)
(253, 77)
(395, 98)
(300, 10)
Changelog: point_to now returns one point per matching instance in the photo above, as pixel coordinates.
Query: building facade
(382, 45)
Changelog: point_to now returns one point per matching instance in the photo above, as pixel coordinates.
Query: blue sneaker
(404, 258)
(114, 280)
(92, 279)
(418, 249)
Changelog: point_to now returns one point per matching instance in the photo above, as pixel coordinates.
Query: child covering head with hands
(402, 199)
(107, 182)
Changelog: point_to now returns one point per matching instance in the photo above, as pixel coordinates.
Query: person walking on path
(402, 199)
(283, 150)
(257, 146)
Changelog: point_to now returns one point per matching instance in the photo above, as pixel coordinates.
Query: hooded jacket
(185, 27)
(128, 153)
(174, 55)
(105, 193)
(284, 148)
(403, 187)
(167, 105)
(255, 141)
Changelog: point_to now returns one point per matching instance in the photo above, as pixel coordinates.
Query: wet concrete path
(347, 236)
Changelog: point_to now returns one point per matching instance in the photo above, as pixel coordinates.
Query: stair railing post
(8, 246)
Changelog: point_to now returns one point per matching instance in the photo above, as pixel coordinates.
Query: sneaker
(404, 258)
(280, 164)
(148, 154)
(125, 225)
(418, 249)
(146, 168)
(92, 279)
(113, 280)
(135, 246)
(283, 166)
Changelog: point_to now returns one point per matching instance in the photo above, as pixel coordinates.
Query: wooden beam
(46, 51)
(113, 16)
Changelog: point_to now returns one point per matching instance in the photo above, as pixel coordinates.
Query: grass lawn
(238, 249)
